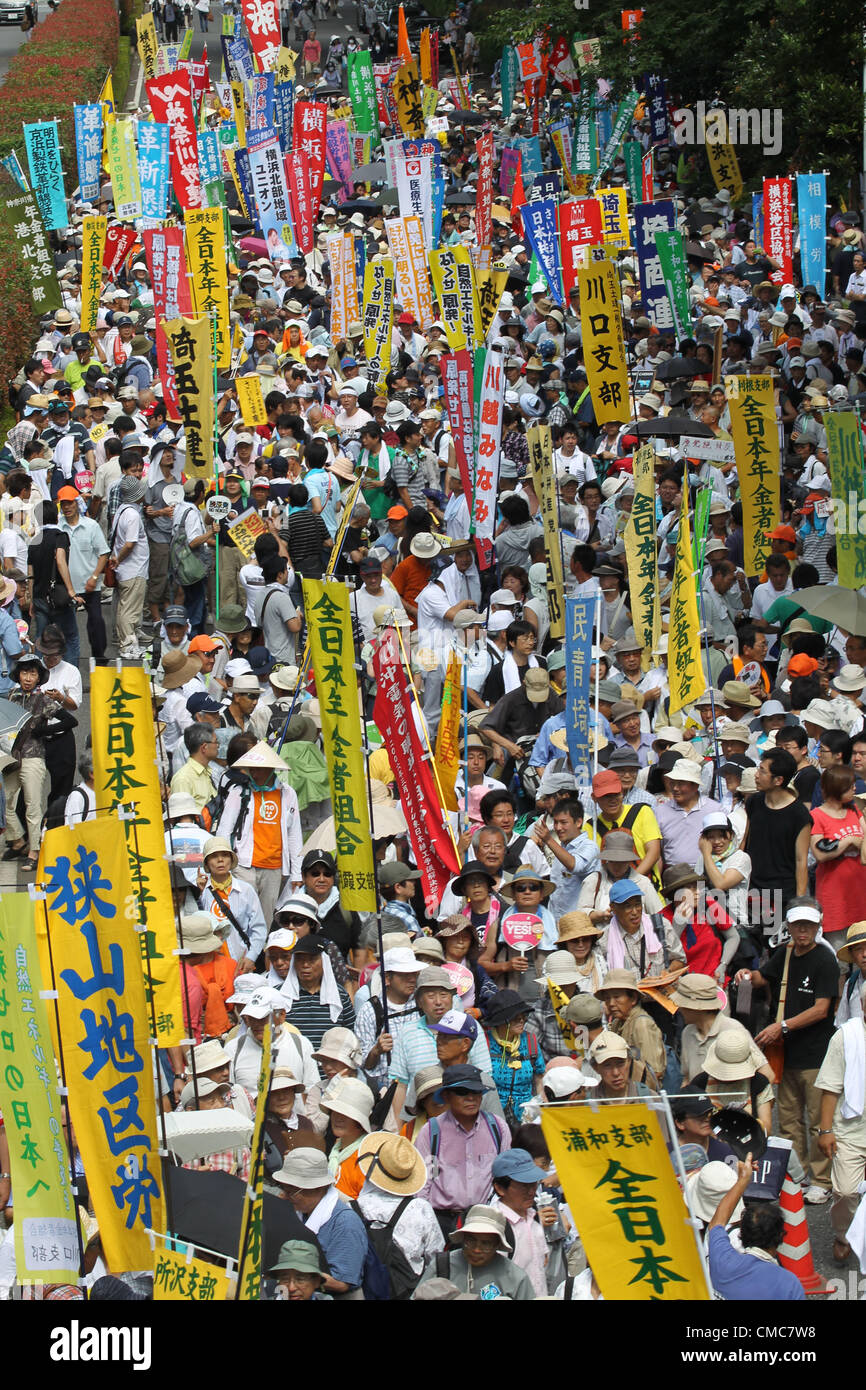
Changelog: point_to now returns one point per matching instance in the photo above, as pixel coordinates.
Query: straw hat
(730, 1057)
(427, 1080)
(260, 755)
(392, 1163)
(574, 925)
(178, 668)
(526, 874)
(855, 936)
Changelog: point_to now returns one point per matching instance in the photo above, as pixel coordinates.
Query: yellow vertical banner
(249, 1288)
(751, 401)
(179, 1279)
(240, 113)
(540, 445)
(147, 43)
(123, 168)
(613, 203)
(125, 773)
(206, 259)
(285, 68)
(251, 400)
(333, 651)
(641, 552)
(461, 86)
(46, 1236)
(190, 345)
(93, 230)
(603, 346)
(448, 734)
(407, 96)
(454, 285)
(104, 1023)
(106, 101)
(617, 1174)
(685, 668)
(725, 168)
(378, 317)
(406, 243)
(491, 287)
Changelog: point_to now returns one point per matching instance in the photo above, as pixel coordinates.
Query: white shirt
(765, 596)
(128, 526)
(364, 604)
(66, 678)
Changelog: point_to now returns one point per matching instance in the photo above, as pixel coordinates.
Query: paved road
(11, 39)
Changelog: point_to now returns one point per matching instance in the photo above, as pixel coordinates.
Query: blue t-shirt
(738, 1277)
(344, 1242)
(321, 483)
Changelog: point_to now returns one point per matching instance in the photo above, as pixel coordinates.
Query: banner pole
(38, 890)
(216, 472)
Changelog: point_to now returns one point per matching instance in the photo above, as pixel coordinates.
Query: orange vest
(217, 978)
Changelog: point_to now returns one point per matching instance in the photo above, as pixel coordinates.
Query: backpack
(386, 1266)
(184, 563)
(56, 813)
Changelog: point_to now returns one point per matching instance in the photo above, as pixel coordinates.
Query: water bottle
(556, 1231)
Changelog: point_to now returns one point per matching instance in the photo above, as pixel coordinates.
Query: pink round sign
(461, 976)
(522, 931)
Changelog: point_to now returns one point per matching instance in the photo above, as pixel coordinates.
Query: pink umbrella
(253, 245)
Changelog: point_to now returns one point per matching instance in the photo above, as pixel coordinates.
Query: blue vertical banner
(12, 164)
(531, 165)
(541, 231)
(650, 218)
(240, 59)
(262, 102)
(209, 164)
(812, 220)
(154, 168)
(242, 166)
(579, 621)
(758, 217)
(604, 123)
(88, 148)
(438, 207)
(284, 112)
(42, 140)
(549, 186)
(656, 107)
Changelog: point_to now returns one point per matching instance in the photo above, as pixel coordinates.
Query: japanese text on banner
(206, 258)
(845, 450)
(579, 623)
(190, 344)
(333, 652)
(93, 231)
(641, 552)
(104, 1029)
(124, 760)
(378, 317)
(685, 668)
(540, 444)
(616, 1171)
(603, 346)
(751, 402)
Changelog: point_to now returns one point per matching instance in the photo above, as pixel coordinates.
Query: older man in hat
(681, 819)
(261, 821)
(460, 1145)
(651, 684)
(308, 1184)
(415, 1045)
(131, 555)
(232, 903)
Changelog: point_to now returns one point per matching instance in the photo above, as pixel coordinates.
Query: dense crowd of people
(700, 928)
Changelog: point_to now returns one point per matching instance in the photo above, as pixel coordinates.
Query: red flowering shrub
(18, 326)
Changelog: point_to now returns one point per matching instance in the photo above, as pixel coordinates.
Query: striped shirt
(312, 1018)
(305, 535)
(415, 1047)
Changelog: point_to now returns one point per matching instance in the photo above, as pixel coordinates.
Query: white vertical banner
(486, 479)
(415, 191)
(406, 243)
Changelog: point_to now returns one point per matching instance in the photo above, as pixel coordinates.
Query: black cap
(318, 856)
(466, 1077)
(309, 945)
(690, 1105)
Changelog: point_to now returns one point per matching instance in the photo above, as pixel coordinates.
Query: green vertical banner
(702, 526)
(46, 1231)
(362, 93)
(633, 154)
(845, 453)
(186, 46)
(509, 79)
(675, 272)
(584, 158)
(620, 126)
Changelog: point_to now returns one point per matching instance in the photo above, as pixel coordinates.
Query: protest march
(432, 676)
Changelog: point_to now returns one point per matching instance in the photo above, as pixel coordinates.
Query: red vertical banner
(300, 197)
(778, 228)
(484, 190)
(647, 187)
(309, 139)
(434, 56)
(518, 197)
(171, 103)
(262, 18)
(458, 381)
(486, 481)
(579, 226)
(119, 241)
(630, 21)
(166, 263)
(419, 800)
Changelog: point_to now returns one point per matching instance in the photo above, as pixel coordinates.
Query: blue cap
(348, 362)
(516, 1164)
(201, 703)
(623, 889)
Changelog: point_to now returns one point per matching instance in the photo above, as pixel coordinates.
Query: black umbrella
(370, 172)
(680, 366)
(672, 427)
(329, 92)
(361, 205)
(460, 117)
(696, 252)
(207, 1208)
(330, 185)
(460, 199)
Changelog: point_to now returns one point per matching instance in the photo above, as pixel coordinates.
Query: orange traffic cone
(795, 1253)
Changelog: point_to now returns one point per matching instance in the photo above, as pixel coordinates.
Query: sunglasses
(295, 921)
(527, 887)
(462, 1091)
(321, 873)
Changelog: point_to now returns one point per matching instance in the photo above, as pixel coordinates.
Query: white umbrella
(192, 1134)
